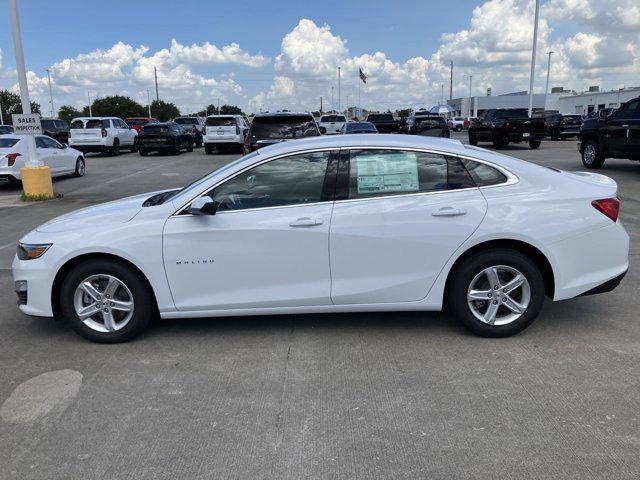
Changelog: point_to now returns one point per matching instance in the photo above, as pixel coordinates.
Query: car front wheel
(592, 157)
(80, 168)
(106, 301)
(496, 293)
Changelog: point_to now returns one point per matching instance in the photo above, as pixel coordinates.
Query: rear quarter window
(8, 142)
(77, 124)
(484, 175)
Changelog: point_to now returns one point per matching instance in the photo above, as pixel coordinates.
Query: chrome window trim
(512, 179)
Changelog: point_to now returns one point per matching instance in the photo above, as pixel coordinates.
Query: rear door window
(376, 173)
(8, 142)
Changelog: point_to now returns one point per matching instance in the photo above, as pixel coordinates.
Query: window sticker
(384, 173)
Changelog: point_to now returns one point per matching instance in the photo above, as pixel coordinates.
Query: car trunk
(222, 127)
(88, 130)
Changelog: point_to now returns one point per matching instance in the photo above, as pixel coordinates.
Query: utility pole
(470, 98)
(333, 105)
(50, 92)
(533, 56)
(339, 106)
(451, 81)
(218, 112)
(546, 88)
(320, 104)
(155, 74)
(149, 102)
(89, 100)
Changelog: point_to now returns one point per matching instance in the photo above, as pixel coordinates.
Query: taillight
(237, 130)
(505, 125)
(194, 129)
(11, 158)
(608, 206)
(104, 132)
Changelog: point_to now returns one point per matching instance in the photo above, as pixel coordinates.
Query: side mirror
(64, 145)
(323, 131)
(602, 115)
(202, 206)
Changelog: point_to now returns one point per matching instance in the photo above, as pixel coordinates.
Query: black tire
(134, 147)
(189, 147)
(115, 150)
(555, 135)
(592, 156)
(175, 150)
(143, 153)
(240, 148)
(199, 142)
(533, 144)
(498, 142)
(473, 140)
(144, 307)
(208, 149)
(464, 274)
(80, 167)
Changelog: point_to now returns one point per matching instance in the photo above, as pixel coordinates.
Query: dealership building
(559, 99)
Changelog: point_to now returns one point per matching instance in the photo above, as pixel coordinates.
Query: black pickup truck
(384, 122)
(500, 126)
(611, 136)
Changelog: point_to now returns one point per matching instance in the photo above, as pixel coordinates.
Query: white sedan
(346, 223)
(60, 158)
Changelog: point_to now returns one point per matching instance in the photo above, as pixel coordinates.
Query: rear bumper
(86, 147)
(521, 137)
(607, 286)
(222, 139)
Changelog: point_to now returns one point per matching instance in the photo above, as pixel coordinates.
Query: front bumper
(38, 275)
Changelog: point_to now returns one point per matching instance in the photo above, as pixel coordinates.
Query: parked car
(164, 137)
(102, 134)
(500, 126)
(224, 131)
(269, 128)
(457, 124)
(60, 158)
(56, 129)
(384, 122)
(563, 125)
(467, 121)
(6, 129)
(611, 136)
(331, 124)
(428, 125)
(333, 224)
(138, 123)
(358, 127)
(194, 125)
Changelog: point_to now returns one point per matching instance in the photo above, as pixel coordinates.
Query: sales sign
(27, 124)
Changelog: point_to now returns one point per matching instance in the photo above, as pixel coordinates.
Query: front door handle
(306, 222)
(448, 212)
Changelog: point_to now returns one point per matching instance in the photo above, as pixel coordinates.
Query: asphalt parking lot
(393, 395)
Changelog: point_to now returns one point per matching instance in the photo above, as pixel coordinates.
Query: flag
(363, 77)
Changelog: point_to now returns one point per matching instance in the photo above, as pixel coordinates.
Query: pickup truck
(384, 122)
(611, 136)
(501, 126)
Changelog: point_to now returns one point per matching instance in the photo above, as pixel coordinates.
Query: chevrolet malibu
(346, 223)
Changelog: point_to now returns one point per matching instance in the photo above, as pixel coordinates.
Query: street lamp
(533, 56)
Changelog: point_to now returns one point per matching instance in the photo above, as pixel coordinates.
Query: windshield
(286, 127)
(221, 122)
(362, 127)
(387, 117)
(153, 128)
(187, 121)
(515, 113)
(8, 142)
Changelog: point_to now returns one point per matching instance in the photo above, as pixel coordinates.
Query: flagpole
(359, 106)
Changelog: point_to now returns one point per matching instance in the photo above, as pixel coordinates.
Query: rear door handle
(448, 212)
(306, 222)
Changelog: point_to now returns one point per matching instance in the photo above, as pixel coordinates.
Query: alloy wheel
(590, 154)
(103, 303)
(499, 295)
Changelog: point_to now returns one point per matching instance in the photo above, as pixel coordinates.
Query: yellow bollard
(36, 182)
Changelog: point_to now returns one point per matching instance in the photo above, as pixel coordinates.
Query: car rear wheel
(472, 138)
(592, 157)
(208, 149)
(134, 147)
(80, 168)
(533, 144)
(496, 293)
(106, 301)
(115, 150)
(142, 152)
(189, 146)
(498, 142)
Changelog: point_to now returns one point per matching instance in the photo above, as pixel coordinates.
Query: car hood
(118, 211)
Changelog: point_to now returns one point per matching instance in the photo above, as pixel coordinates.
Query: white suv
(224, 131)
(102, 134)
(332, 124)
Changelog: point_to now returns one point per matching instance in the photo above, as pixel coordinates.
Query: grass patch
(38, 198)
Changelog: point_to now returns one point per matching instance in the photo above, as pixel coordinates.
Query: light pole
(339, 106)
(533, 56)
(89, 100)
(50, 92)
(149, 102)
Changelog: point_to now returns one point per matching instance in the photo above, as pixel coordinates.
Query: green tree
(212, 109)
(67, 113)
(230, 110)
(164, 111)
(117, 106)
(404, 113)
(10, 104)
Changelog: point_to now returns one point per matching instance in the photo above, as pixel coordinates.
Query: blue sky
(403, 45)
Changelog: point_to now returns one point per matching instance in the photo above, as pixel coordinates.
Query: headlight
(28, 251)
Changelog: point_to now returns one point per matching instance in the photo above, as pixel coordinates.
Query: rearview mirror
(202, 206)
